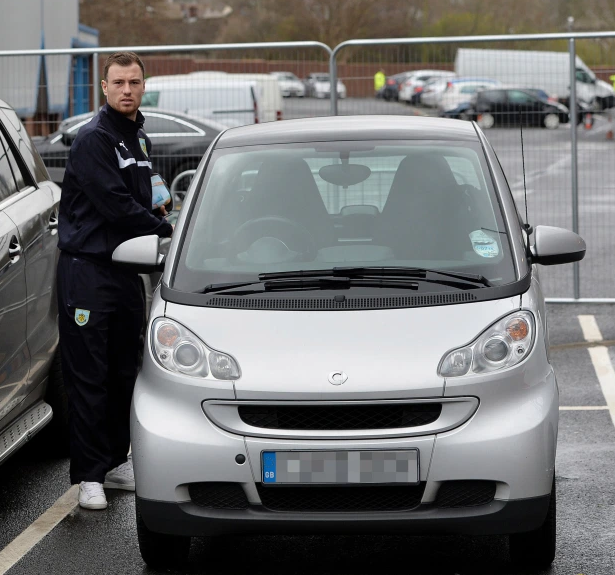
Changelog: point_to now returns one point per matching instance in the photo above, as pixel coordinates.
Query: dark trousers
(101, 315)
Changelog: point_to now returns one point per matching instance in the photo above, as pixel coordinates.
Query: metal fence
(567, 174)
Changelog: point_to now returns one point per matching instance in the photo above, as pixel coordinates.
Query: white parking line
(583, 407)
(601, 361)
(26, 540)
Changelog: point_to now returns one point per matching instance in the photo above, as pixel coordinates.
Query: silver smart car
(349, 336)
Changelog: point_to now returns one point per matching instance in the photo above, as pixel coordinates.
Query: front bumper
(498, 517)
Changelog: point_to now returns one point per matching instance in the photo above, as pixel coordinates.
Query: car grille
(346, 498)
(218, 495)
(340, 417)
(465, 493)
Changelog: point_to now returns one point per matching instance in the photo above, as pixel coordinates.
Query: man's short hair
(122, 59)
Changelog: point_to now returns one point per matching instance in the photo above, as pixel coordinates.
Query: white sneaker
(91, 495)
(121, 477)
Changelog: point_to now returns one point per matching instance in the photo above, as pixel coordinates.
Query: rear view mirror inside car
(344, 174)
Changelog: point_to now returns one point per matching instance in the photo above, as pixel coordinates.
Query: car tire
(551, 121)
(56, 436)
(465, 116)
(486, 121)
(536, 548)
(159, 550)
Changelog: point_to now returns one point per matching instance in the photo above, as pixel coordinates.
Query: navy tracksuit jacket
(106, 199)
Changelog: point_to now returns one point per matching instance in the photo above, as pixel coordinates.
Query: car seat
(426, 216)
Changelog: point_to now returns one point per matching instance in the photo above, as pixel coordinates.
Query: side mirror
(554, 246)
(141, 254)
(68, 139)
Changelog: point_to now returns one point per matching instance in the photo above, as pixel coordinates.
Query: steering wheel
(292, 234)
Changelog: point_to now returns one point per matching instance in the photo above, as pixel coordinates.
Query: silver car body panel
(175, 443)
(387, 354)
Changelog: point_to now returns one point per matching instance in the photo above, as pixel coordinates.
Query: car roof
(147, 111)
(348, 128)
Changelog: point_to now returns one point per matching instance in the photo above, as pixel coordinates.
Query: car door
(34, 212)
(523, 108)
(14, 352)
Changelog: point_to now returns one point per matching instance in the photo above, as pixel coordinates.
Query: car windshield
(281, 208)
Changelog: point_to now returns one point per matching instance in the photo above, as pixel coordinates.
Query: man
(379, 81)
(106, 200)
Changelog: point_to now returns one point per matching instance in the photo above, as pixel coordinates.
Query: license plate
(340, 467)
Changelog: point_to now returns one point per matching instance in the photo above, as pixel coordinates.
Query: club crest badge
(82, 316)
(143, 145)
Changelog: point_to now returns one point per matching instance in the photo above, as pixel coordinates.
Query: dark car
(390, 90)
(514, 107)
(32, 393)
(178, 142)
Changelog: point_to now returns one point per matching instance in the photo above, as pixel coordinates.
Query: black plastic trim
(495, 518)
(207, 300)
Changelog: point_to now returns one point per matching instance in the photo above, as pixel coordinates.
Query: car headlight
(504, 344)
(177, 349)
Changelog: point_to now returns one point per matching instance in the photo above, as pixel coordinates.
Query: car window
(150, 98)
(519, 97)
(159, 125)
(25, 146)
(8, 186)
(583, 76)
(433, 198)
(21, 181)
(494, 96)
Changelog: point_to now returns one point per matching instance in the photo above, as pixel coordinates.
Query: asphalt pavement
(97, 543)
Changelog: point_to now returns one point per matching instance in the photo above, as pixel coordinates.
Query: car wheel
(56, 436)
(536, 548)
(551, 121)
(159, 550)
(465, 116)
(486, 121)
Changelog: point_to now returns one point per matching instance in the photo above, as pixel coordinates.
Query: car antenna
(526, 225)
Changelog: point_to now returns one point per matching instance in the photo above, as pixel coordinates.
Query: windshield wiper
(309, 283)
(370, 271)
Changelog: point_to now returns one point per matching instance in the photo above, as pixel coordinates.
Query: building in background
(43, 90)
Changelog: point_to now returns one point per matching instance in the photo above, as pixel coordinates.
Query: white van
(270, 102)
(549, 71)
(230, 102)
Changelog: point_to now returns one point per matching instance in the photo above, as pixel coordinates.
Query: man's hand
(163, 211)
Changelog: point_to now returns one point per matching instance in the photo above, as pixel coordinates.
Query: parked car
(411, 88)
(432, 92)
(290, 84)
(392, 85)
(32, 394)
(178, 142)
(460, 90)
(270, 103)
(318, 85)
(430, 405)
(517, 106)
(214, 96)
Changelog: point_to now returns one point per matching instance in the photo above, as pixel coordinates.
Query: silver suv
(350, 335)
(31, 388)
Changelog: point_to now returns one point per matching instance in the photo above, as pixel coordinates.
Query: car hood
(387, 353)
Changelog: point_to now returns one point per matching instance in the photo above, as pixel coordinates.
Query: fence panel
(424, 77)
(518, 91)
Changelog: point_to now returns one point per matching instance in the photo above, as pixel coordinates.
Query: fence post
(576, 280)
(95, 82)
(333, 84)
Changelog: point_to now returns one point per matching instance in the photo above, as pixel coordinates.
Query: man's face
(124, 89)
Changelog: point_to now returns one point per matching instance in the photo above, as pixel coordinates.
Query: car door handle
(53, 222)
(14, 250)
